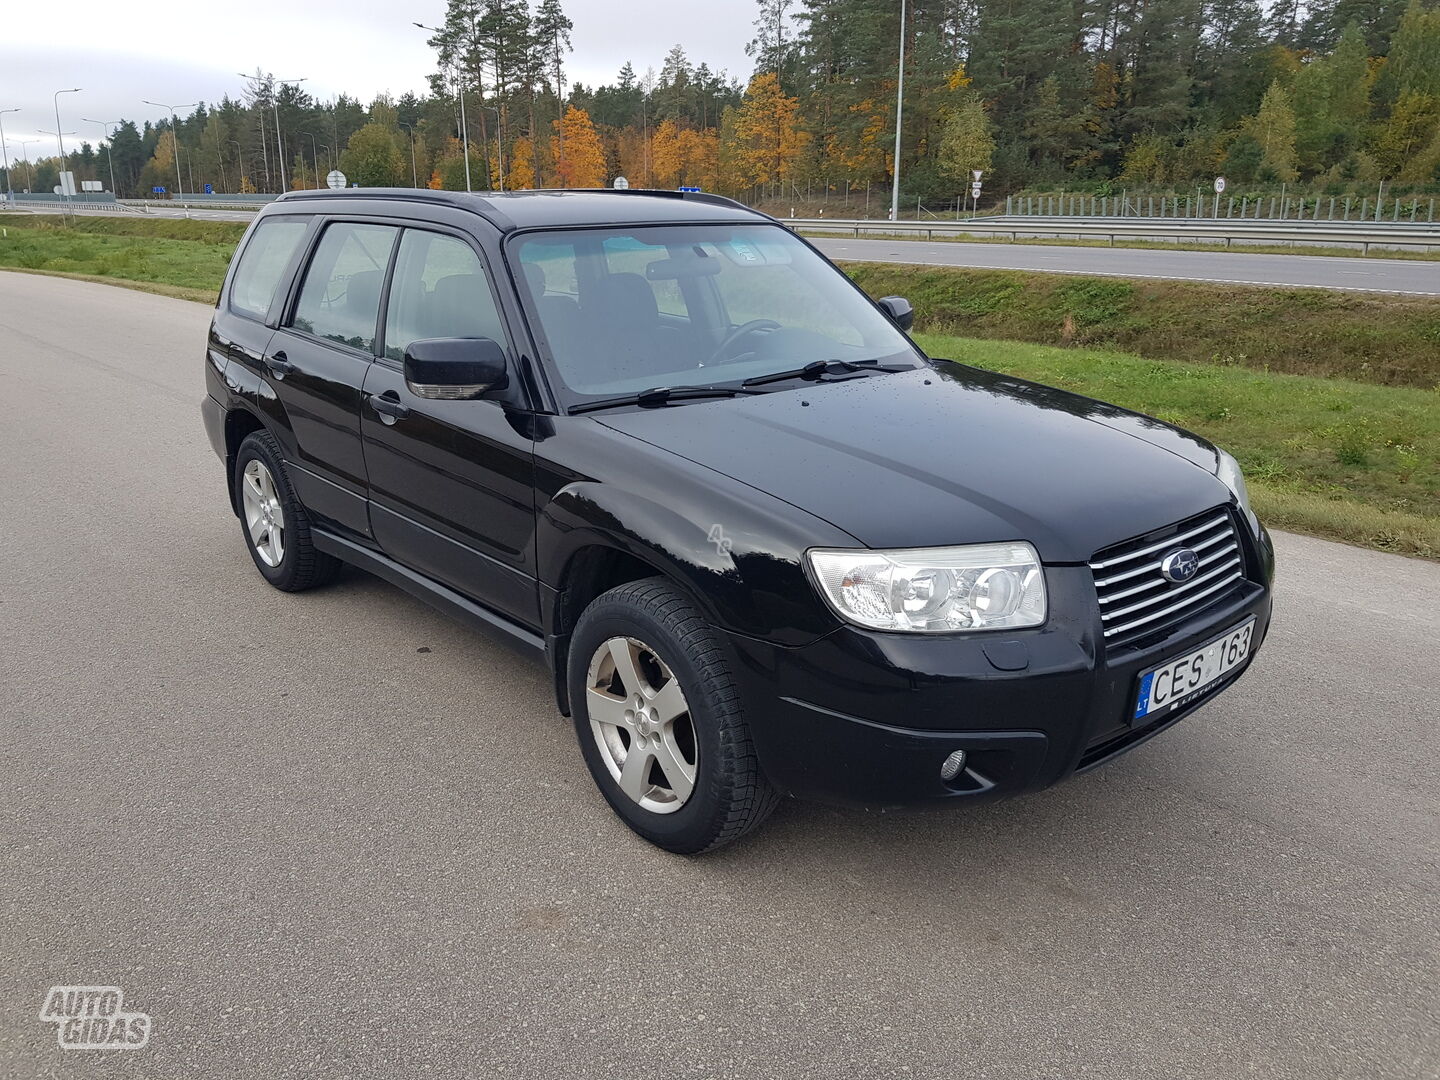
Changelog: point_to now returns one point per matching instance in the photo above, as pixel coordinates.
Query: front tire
(659, 720)
(273, 521)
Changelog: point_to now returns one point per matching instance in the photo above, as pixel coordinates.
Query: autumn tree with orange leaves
(768, 132)
(578, 152)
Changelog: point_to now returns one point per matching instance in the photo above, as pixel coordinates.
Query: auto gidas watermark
(94, 1018)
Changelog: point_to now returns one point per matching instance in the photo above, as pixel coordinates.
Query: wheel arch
(240, 422)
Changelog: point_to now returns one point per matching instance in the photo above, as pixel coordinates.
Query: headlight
(936, 590)
(1228, 470)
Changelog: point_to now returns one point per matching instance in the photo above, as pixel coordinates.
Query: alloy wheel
(264, 516)
(641, 724)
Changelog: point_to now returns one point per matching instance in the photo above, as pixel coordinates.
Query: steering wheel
(754, 326)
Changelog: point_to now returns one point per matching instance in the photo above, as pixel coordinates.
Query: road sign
(157, 191)
(974, 191)
(976, 174)
(335, 179)
(209, 189)
(621, 184)
(1219, 185)
(91, 185)
(67, 183)
(689, 189)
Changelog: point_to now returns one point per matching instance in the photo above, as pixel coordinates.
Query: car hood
(948, 455)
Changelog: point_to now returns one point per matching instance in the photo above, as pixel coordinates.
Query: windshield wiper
(657, 396)
(819, 368)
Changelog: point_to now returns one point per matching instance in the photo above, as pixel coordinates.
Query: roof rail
(474, 201)
(688, 196)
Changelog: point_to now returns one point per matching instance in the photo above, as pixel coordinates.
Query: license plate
(1178, 681)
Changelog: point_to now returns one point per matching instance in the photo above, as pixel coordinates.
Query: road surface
(1409, 277)
(334, 834)
(1406, 277)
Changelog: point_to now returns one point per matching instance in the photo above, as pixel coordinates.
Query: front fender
(741, 559)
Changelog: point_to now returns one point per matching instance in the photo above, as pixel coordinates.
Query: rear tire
(273, 521)
(660, 723)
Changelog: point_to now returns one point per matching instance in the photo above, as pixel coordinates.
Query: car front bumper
(867, 718)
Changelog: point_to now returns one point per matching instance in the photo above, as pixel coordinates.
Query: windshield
(628, 309)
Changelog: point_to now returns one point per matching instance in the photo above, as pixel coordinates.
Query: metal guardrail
(188, 203)
(1354, 233)
(55, 205)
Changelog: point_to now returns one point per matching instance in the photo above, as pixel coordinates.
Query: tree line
(1040, 94)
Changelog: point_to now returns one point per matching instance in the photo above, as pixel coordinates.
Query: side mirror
(455, 369)
(899, 310)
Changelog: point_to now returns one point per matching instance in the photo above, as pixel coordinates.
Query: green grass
(179, 257)
(1330, 457)
(1372, 337)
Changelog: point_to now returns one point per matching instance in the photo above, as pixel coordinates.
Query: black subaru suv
(764, 543)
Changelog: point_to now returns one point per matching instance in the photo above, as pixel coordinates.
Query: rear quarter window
(262, 264)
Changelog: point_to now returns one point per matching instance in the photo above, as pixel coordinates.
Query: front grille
(1136, 600)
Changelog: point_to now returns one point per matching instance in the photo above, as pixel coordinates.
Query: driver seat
(626, 318)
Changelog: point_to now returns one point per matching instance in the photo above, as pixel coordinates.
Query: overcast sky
(120, 55)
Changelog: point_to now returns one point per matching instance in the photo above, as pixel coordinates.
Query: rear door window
(340, 298)
(262, 264)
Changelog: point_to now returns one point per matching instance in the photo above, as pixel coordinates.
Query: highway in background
(334, 834)
(1407, 277)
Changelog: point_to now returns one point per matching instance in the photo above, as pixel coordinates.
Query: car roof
(557, 208)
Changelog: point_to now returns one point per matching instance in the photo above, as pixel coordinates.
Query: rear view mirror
(455, 369)
(899, 310)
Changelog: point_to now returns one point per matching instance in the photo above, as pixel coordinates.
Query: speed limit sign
(1219, 185)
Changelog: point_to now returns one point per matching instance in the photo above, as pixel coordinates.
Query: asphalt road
(1407, 277)
(335, 834)
(1410, 277)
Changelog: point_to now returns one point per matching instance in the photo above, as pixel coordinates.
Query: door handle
(388, 406)
(279, 365)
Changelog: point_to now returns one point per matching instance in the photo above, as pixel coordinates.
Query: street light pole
(460, 89)
(175, 138)
(5, 154)
(59, 135)
(25, 157)
(109, 147)
(899, 117)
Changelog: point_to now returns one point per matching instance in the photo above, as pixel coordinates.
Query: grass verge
(1330, 457)
(173, 257)
(1372, 337)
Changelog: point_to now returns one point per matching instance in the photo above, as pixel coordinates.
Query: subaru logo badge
(1179, 565)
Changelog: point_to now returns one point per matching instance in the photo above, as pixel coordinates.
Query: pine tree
(552, 33)
(773, 45)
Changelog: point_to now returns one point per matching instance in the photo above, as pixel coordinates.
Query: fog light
(951, 766)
